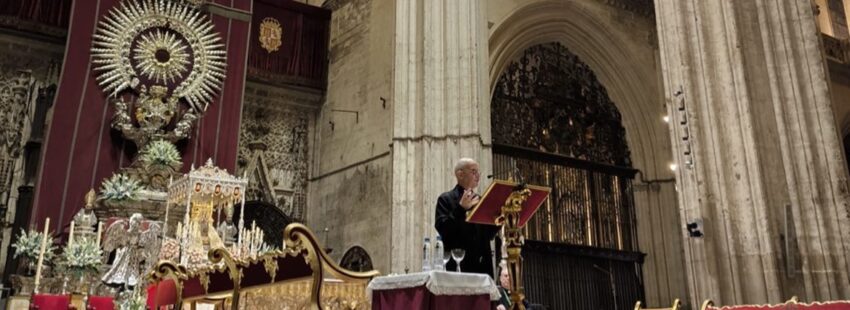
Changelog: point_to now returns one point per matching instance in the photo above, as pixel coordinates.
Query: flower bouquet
(28, 245)
(82, 259)
(120, 188)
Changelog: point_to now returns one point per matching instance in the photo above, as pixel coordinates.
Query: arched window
(356, 259)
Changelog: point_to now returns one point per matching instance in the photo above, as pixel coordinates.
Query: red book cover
(490, 206)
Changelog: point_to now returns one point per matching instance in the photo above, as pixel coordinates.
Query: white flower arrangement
(82, 256)
(28, 245)
(121, 187)
(160, 152)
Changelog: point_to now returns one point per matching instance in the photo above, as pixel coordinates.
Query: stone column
(755, 137)
(440, 113)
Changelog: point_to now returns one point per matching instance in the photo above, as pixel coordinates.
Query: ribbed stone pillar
(747, 90)
(440, 112)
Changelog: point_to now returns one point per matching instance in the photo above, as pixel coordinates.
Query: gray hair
(462, 163)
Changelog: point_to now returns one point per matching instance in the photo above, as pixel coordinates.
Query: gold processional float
(160, 63)
(246, 272)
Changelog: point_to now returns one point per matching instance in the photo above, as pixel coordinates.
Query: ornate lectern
(510, 205)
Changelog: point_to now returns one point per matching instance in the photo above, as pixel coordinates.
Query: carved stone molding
(15, 96)
(273, 146)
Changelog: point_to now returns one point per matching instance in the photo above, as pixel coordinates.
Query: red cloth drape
(419, 298)
(81, 149)
(49, 12)
(302, 57)
(829, 305)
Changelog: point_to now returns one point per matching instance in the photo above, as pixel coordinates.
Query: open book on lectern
(490, 206)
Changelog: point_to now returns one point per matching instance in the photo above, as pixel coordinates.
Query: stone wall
(840, 84)
(769, 179)
(349, 183)
(41, 59)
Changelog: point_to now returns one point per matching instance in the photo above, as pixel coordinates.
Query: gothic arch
(356, 259)
(633, 85)
(624, 56)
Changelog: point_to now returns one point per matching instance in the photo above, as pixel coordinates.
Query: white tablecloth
(438, 283)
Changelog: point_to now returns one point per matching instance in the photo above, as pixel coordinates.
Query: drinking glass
(457, 255)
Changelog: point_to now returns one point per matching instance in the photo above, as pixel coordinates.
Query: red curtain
(81, 149)
(49, 12)
(302, 57)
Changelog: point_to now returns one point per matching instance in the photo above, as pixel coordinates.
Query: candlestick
(71, 235)
(41, 254)
(99, 232)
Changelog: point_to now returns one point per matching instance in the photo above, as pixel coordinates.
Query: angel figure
(137, 249)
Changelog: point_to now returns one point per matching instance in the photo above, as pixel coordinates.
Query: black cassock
(451, 223)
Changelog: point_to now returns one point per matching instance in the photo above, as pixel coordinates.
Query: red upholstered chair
(162, 293)
(51, 302)
(100, 303)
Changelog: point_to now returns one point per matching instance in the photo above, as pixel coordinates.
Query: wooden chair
(676, 305)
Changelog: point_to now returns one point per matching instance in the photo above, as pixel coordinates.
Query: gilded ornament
(162, 56)
(147, 42)
(271, 34)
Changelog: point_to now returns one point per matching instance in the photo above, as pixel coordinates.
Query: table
(433, 290)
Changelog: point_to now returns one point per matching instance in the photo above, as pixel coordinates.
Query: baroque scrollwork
(153, 111)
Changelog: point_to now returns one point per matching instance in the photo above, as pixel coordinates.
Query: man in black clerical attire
(452, 226)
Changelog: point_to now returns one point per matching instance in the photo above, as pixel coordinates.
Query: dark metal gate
(581, 248)
(554, 125)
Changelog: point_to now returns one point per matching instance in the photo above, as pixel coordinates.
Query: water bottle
(438, 254)
(426, 255)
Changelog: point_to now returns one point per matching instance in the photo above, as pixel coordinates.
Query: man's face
(505, 278)
(469, 176)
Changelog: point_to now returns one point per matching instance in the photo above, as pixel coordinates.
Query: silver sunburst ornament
(155, 42)
(162, 56)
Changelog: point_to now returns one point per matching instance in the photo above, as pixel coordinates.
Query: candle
(41, 254)
(71, 235)
(99, 232)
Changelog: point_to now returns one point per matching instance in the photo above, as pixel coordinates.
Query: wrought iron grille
(554, 125)
(550, 101)
(590, 204)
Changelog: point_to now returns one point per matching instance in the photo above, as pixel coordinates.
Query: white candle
(99, 232)
(41, 254)
(71, 235)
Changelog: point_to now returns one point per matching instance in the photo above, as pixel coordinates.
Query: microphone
(501, 174)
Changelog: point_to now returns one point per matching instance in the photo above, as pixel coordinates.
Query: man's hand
(500, 307)
(469, 199)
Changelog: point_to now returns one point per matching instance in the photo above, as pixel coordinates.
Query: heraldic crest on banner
(271, 34)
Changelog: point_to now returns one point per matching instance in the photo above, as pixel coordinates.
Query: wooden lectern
(511, 205)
